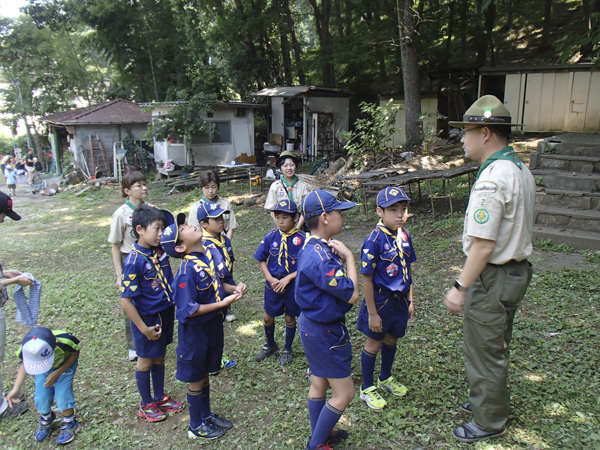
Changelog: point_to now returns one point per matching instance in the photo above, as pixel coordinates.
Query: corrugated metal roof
(116, 111)
(214, 104)
(292, 91)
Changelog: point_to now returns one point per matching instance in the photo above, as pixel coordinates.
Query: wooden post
(92, 156)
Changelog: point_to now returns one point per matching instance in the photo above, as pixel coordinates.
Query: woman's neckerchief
(214, 200)
(507, 153)
(131, 205)
(289, 186)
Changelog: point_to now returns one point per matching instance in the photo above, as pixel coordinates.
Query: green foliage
(373, 131)
(6, 144)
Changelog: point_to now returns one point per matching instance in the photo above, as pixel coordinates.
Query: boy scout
(497, 242)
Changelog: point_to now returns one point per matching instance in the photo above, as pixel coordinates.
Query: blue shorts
(61, 392)
(327, 347)
(278, 304)
(200, 349)
(146, 348)
(393, 310)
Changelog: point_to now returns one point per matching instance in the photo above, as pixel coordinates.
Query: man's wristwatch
(460, 287)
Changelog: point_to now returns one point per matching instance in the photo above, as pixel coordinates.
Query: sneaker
(207, 430)
(230, 317)
(17, 408)
(326, 446)
(469, 432)
(67, 432)
(132, 355)
(151, 413)
(286, 357)
(220, 422)
(167, 404)
(43, 430)
(466, 407)
(265, 352)
(337, 436)
(393, 386)
(372, 397)
(227, 363)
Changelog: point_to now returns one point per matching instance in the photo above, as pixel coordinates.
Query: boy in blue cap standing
(201, 296)
(277, 255)
(387, 308)
(325, 291)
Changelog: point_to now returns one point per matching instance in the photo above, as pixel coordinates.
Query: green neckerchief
(506, 153)
(289, 186)
(215, 200)
(131, 205)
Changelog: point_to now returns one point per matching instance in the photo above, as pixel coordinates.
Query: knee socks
(270, 333)
(327, 419)
(205, 405)
(143, 383)
(367, 362)
(315, 405)
(388, 352)
(158, 381)
(290, 333)
(194, 401)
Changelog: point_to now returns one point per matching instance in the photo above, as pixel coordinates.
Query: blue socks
(270, 333)
(290, 333)
(194, 401)
(158, 381)
(205, 405)
(143, 383)
(388, 352)
(315, 405)
(327, 419)
(367, 362)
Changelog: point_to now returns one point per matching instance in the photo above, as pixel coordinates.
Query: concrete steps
(567, 210)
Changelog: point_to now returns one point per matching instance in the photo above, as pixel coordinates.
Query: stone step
(575, 144)
(560, 179)
(572, 219)
(552, 161)
(577, 239)
(567, 198)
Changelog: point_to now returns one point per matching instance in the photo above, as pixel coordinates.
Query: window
(220, 134)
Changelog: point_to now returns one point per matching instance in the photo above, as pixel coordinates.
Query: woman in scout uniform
(288, 186)
(497, 242)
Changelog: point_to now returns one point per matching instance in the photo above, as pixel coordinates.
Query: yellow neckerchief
(310, 237)
(154, 259)
(385, 229)
(220, 243)
(210, 270)
(283, 248)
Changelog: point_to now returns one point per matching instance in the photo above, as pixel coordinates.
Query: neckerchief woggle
(210, 270)
(220, 242)
(507, 153)
(289, 186)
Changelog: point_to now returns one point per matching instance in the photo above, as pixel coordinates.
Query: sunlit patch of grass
(249, 329)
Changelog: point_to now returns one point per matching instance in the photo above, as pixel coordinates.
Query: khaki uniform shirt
(501, 210)
(120, 229)
(278, 191)
(230, 222)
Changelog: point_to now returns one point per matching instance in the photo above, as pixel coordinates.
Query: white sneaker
(132, 355)
(230, 317)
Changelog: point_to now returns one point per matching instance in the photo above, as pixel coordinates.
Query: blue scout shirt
(322, 287)
(389, 265)
(140, 280)
(223, 244)
(270, 250)
(194, 286)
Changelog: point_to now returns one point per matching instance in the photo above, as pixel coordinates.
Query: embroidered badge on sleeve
(481, 216)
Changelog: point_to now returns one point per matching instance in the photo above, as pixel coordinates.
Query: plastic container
(289, 146)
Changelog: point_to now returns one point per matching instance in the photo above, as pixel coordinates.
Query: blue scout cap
(37, 350)
(168, 240)
(210, 210)
(390, 195)
(169, 219)
(318, 202)
(286, 206)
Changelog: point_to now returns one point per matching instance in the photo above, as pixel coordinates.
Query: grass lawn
(554, 367)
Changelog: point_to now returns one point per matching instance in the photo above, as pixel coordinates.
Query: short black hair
(146, 216)
(312, 222)
(292, 215)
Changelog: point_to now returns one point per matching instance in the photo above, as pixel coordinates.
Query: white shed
(429, 107)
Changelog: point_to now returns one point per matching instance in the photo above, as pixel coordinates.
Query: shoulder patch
(484, 187)
(481, 216)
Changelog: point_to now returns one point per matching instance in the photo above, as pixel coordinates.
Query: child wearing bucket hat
(288, 186)
(51, 356)
(386, 257)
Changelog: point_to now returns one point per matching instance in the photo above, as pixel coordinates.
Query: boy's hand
(51, 379)
(11, 273)
(12, 398)
(274, 282)
(375, 323)
(241, 288)
(119, 283)
(340, 249)
(280, 288)
(153, 333)
(24, 281)
(232, 298)
(411, 312)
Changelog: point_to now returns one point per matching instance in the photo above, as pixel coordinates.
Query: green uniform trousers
(489, 311)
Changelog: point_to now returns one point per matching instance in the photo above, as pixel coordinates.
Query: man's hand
(455, 300)
(51, 379)
(24, 281)
(11, 273)
(153, 333)
(375, 323)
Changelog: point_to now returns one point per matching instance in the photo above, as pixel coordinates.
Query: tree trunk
(481, 42)
(464, 24)
(348, 18)
(490, 19)
(450, 30)
(337, 7)
(379, 50)
(410, 74)
(295, 42)
(547, 23)
(285, 54)
(322, 16)
(509, 14)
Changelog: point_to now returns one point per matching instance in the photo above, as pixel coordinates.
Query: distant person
(20, 166)
(12, 277)
(38, 165)
(10, 174)
(30, 165)
(51, 356)
(5, 160)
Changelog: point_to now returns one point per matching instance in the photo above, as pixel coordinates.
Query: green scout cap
(488, 110)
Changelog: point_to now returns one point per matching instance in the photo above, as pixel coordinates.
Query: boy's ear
(323, 219)
(380, 211)
(139, 228)
(296, 217)
(203, 224)
(181, 248)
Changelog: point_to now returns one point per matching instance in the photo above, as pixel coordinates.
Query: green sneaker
(393, 386)
(372, 397)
